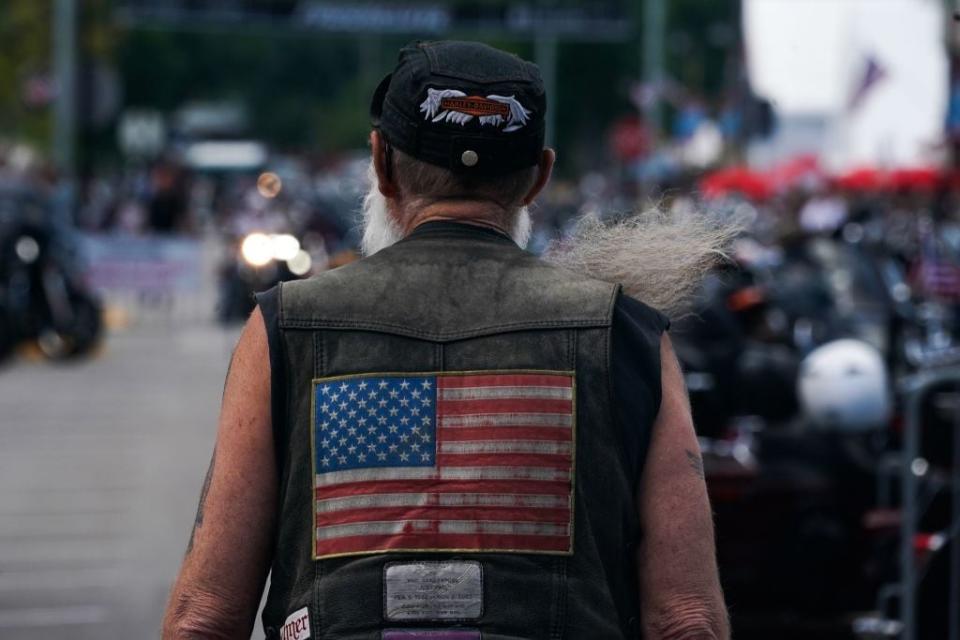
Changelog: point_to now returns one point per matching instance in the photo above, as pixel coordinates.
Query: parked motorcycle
(800, 543)
(42, 299)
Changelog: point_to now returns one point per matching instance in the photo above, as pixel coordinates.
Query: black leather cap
(464, 106)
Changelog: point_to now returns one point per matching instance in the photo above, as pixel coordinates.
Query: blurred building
(858, 83)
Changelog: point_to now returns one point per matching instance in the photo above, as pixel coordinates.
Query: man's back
(511, 357)
(433, 450)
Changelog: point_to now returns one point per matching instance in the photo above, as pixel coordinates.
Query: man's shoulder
(295, 293)
(443, 296)
(632, 312)
(385, 266)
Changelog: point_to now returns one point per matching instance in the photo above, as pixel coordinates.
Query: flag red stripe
(540, 460)
(527, 487)
(510, 380)
(502, 405)
(474, 542)
(422, 525)
(501, 514)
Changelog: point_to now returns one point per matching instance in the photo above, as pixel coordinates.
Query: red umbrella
(742, 180)
(923, 179)
(862, 179)
(798, 171)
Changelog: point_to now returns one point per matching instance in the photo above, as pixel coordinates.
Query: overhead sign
(375, 17)
(141, 132)
(594, 21)
(225, 155)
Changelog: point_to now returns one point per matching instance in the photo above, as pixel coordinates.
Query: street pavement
(101, 464)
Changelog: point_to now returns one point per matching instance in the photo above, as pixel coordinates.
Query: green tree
(24, 54)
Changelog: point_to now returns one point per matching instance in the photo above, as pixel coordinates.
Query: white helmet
(843, 385)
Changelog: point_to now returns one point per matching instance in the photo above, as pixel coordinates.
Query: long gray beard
(380, 231)
(658, 256)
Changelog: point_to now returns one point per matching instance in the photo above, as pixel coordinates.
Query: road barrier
(152, 279)
(918, 388)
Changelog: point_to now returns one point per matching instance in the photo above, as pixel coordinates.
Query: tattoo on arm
(198, 521)
(226, 378)
(695, 462)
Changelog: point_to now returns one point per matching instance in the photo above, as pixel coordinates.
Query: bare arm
(218, 590)
(680, 589)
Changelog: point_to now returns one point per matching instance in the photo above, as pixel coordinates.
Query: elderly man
(452, 439)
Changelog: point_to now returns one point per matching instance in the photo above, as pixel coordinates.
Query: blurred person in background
(532, 470)
(167, 209)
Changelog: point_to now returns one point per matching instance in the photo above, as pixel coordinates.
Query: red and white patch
(297, 625)
(452, 105)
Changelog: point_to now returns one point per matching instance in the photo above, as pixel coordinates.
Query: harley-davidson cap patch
(453, 105)
(476, 106)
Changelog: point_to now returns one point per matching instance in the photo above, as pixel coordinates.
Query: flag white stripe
(444, 473)
(384, 473)
(507, 446)
(499, 393)
(387, 500)
(442, 526)
(332, 505)
(533, 501)
(508, 420)
(502, 528)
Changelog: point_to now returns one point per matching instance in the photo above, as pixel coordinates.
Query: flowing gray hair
(658, 256)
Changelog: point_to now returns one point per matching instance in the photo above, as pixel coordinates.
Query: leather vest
(449, 300)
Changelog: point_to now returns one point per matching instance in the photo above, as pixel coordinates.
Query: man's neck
(480, 214)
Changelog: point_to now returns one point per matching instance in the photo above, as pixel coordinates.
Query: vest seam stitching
(613, 303)
(560, 596)
(319, 368)
(584, 323)
(320, 322)
(619, 430)
(562, 564)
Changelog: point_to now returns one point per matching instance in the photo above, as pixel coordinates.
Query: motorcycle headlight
(27, 249)
(284, 246)
(300, 264)
(257, 249)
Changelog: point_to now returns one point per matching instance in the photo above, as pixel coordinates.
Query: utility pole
(654, 26)
(64, 30)
(546, 55)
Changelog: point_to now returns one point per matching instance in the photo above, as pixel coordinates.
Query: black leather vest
(445, 302)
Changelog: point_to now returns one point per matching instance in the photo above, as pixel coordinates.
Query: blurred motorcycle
(41, 297)
(802, 544)
(257, 262)
(755, 323)
(788, 363)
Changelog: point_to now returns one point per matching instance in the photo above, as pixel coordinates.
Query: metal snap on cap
(469, 158)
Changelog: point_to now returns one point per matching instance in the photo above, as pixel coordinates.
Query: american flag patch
(466, 462)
